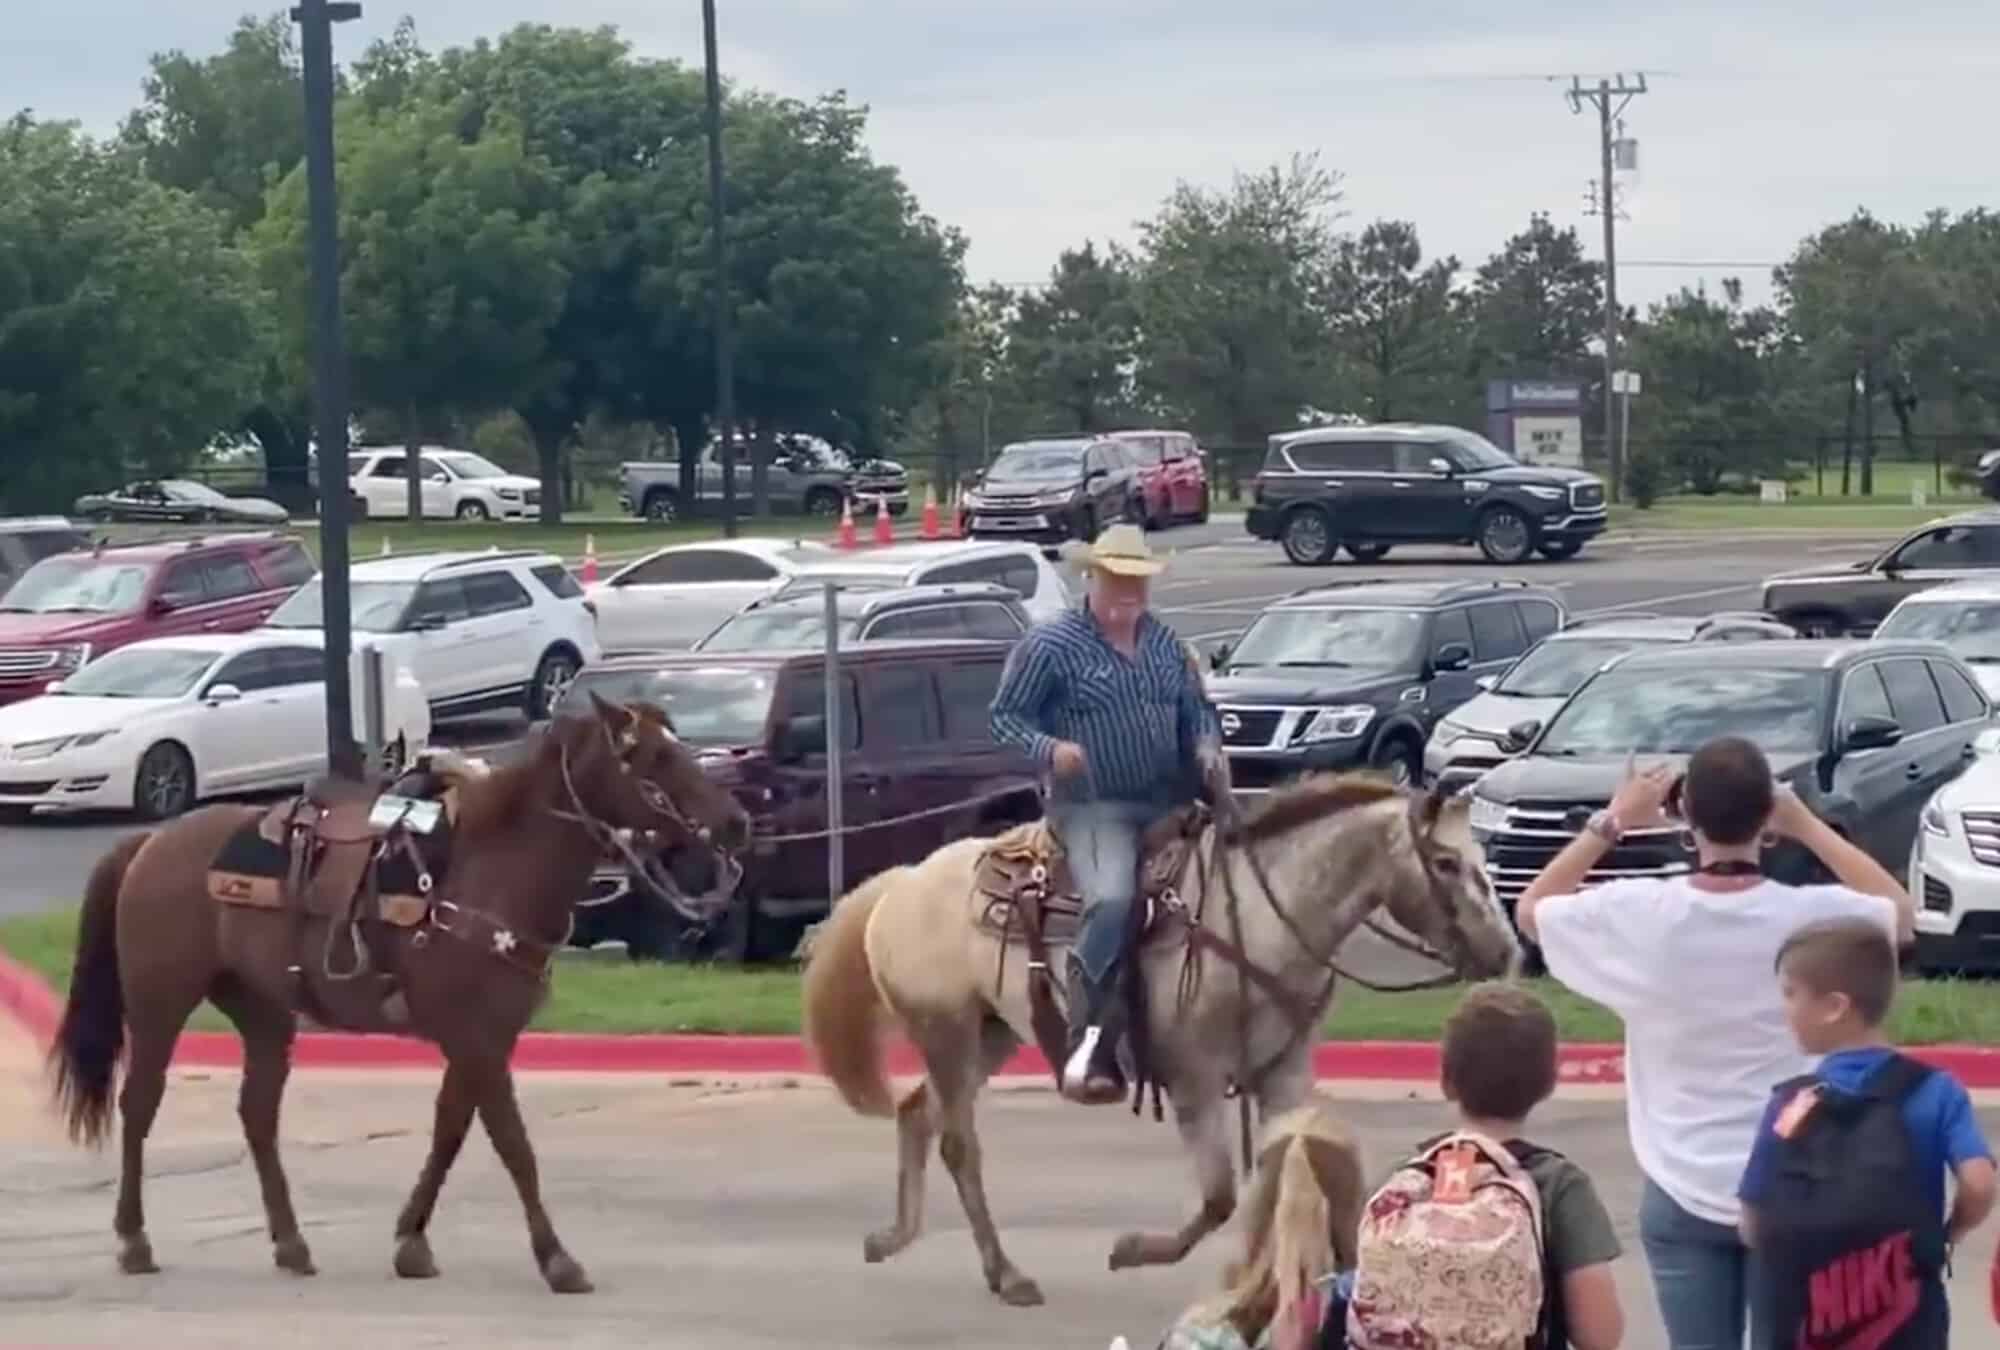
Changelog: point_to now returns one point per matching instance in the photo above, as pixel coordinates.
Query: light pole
(315, 19)
(725, 372)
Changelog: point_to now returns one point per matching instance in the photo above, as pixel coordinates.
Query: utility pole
(1609, 97)
(725, 372)
(315, 19)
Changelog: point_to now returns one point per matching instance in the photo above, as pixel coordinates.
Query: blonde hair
(1301, 1222)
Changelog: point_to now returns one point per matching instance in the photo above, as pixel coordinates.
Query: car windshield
(1041, 461)
(374, 607)
(1330, 638)
(708, 705)
(1474, 452)
(193, 492)
(782, 626)
(468, 465)
(1555, 669)
(1654, 712)
(140, 672)
(77, 584)
(1970, 628)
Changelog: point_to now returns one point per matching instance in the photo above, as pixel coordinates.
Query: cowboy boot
(1091, 1075)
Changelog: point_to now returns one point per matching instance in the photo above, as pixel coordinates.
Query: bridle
(610, 838)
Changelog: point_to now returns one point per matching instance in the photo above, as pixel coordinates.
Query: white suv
(454, 483)
(483, 631)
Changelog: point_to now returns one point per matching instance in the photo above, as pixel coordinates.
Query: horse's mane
(1313, 799)
(498, 798)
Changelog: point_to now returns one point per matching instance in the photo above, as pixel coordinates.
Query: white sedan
(668, 599)
(159, 725)
(1955, 867)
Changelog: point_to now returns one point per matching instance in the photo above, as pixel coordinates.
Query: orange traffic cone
(931, 514)
(885, 532)
(846, 539)
(589, 559)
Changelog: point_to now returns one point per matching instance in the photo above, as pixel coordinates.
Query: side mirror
(1487, 682)
(427, 623)
(222, 693)
(801, 736)
(438, 478)
(1439, 464)
(162, 604)
(1870, 733)
(1219, 658)
(1452, 656)
(1520, 736)
(1092, 475)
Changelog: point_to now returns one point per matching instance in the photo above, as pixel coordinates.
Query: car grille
(1536, 831)
(1586, 496)
(30, 788)
(1006, 504)
(533, 496)
(1982, 835)
(20, 664)
(1249, 726)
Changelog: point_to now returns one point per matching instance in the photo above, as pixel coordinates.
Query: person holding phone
(1685, 962)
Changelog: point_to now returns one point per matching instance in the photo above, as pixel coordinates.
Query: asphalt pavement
(1217, 579)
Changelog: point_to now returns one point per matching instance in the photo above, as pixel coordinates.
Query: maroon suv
(73, 606)
(915, 737)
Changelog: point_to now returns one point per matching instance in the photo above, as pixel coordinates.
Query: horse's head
(1444, 897)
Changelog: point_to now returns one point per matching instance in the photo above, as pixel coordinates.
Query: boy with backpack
(1844, 1193)
(1484, 1241)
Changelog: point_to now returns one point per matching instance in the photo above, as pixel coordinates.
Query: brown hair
(1499, 1052)
(1844, 956)
(1727, 793)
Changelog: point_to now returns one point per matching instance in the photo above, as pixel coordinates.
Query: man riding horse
(1111, 705)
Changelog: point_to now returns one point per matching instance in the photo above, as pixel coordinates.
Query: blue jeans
(1101, 840)
(1702, 1276)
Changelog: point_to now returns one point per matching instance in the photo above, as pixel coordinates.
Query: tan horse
(1305, 870)
(153, 944)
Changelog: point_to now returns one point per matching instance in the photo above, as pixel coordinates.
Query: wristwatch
(1606, 827)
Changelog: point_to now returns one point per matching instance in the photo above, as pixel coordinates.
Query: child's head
(1838, 977)
(1301, 1220)
(1727, 792)
(1499, 1053)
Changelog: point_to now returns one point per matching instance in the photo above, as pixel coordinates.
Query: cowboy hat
(1122, 550)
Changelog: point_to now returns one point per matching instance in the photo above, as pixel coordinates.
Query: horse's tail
(91, 1037)
(843, 1008)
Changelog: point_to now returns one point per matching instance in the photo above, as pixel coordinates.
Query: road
(1216, 581)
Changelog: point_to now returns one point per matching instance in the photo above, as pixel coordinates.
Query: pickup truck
(805, 477)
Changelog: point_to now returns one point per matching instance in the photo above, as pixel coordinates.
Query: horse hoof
(1128, 1251)
(414, 1260)
(565, 1276)
(135, 1257)
(879, 1247)
(293, 1255)
(1018, 1291)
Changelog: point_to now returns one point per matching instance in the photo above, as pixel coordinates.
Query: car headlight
(1055, 499)
(50, 746)
(1935, 822)
(1448, 731)
(508, 494)
(1486, 815)
(1337, 724)
(1547, 494)
(73, 657)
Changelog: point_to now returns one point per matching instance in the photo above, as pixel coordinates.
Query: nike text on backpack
(1853, 1248)
(1451, 1253)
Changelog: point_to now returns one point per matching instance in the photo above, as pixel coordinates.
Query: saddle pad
(250, 870)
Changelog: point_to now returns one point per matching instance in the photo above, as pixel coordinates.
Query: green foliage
(1070, 348)
(1708, 406)
(1537, 305)
(1399, 339)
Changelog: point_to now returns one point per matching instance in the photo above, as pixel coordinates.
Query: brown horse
(153, 944)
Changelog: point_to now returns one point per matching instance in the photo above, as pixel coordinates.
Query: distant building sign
(1537, 421)
(1556, 441)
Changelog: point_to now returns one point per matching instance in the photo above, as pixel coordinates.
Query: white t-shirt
(1690, 973)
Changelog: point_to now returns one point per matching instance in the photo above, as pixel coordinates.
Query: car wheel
(1816, 623)
(1201, 509)
(662, 507)
(823, 502)
(1366, 550)
(1086, 525)
(1505, 536)
(1307, 537)
(1399, 761)
(164, 785)
(1556, 550)
(473, 510)
(551, 682)
(357, 508)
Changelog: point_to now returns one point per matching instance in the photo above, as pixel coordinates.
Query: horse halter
(610, 838)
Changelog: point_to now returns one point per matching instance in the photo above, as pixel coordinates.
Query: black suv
(1356, 675)
(1367, 488)
(1052, 490)
(796, 616)
(1852, 600)
(1863, 732)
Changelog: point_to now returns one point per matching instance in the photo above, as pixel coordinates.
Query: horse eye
(1448, 864)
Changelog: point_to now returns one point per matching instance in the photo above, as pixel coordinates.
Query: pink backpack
(1451, 1254)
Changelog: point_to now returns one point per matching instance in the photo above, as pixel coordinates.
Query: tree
(1231, 299)
(1536, 305)
(1397, 335)
(129, 325)
(1070, 348)
(1709, 398)
(450, 274)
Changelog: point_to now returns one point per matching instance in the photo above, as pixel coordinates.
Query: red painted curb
(25, 995)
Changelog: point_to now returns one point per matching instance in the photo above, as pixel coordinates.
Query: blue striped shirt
(1137, 719)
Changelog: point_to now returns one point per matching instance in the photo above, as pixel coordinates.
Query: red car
(70, 607)
(1173, 473)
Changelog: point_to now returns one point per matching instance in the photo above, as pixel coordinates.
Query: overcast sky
(1034, 124)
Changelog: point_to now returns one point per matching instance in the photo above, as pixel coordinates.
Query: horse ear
(1425, 809)
(606, 712)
